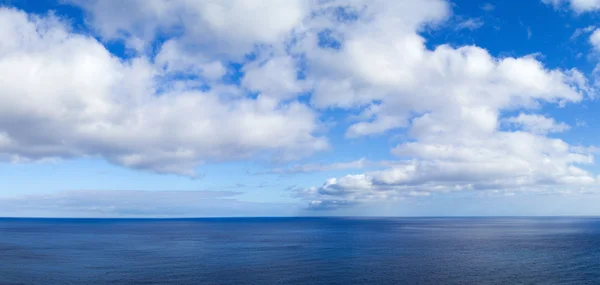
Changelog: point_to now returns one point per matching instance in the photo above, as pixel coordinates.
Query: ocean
(300, 251)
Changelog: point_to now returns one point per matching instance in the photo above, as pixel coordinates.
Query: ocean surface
(301, 251)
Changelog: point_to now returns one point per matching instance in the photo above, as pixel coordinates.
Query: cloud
(538, 124)
(172, 58)
(79, 100)
(450, 101)
(470, 24)
(595, 40)
(578, 6)
(258, 78)
(328, 205)
(488, 7)
(393, 76)
(217, 28)
(127, 203)
(515, 162)
(581, 31)
(249, 80)
(308, 168)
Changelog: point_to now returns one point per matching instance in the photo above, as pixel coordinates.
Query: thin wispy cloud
(470, 24)
(134, 203)
(308, 168)
(488, 7)
(582, 31)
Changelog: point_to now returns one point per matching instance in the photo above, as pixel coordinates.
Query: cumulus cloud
(228, 28)
(506, 161)
(259, 78)
(79, 100)
(169, 108)
(172, 58)
(450, 101)
(388, 70)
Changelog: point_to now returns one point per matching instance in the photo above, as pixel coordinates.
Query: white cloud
(581, 31)
(578, 6)
(77, 99)
(470, 24)
(218, 28)
(450, 101)
(595, 39)
(387, 69)
(172, 58)
(307, 168)
(538, 124)
(143, 113)
(275, 77)
(512, 162)
(506, 162)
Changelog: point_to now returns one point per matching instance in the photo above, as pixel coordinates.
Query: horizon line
(298, 217)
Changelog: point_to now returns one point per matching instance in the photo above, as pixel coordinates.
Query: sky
(157, 108)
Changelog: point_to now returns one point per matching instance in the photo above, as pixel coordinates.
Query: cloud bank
(131, 204)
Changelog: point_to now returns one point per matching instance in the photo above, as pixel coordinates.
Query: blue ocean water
(301, 251)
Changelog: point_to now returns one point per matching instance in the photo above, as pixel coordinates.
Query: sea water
(300, 251)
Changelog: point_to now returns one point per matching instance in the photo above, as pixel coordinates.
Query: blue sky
(284, 108)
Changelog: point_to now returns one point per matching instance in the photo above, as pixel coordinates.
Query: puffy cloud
(505, 161)
(77, 99)
(447, 170)
(384, 67)
(172, 111)
(173, 58)
(447, 84)
(450, 101)
(229, 27)
(259, 77)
